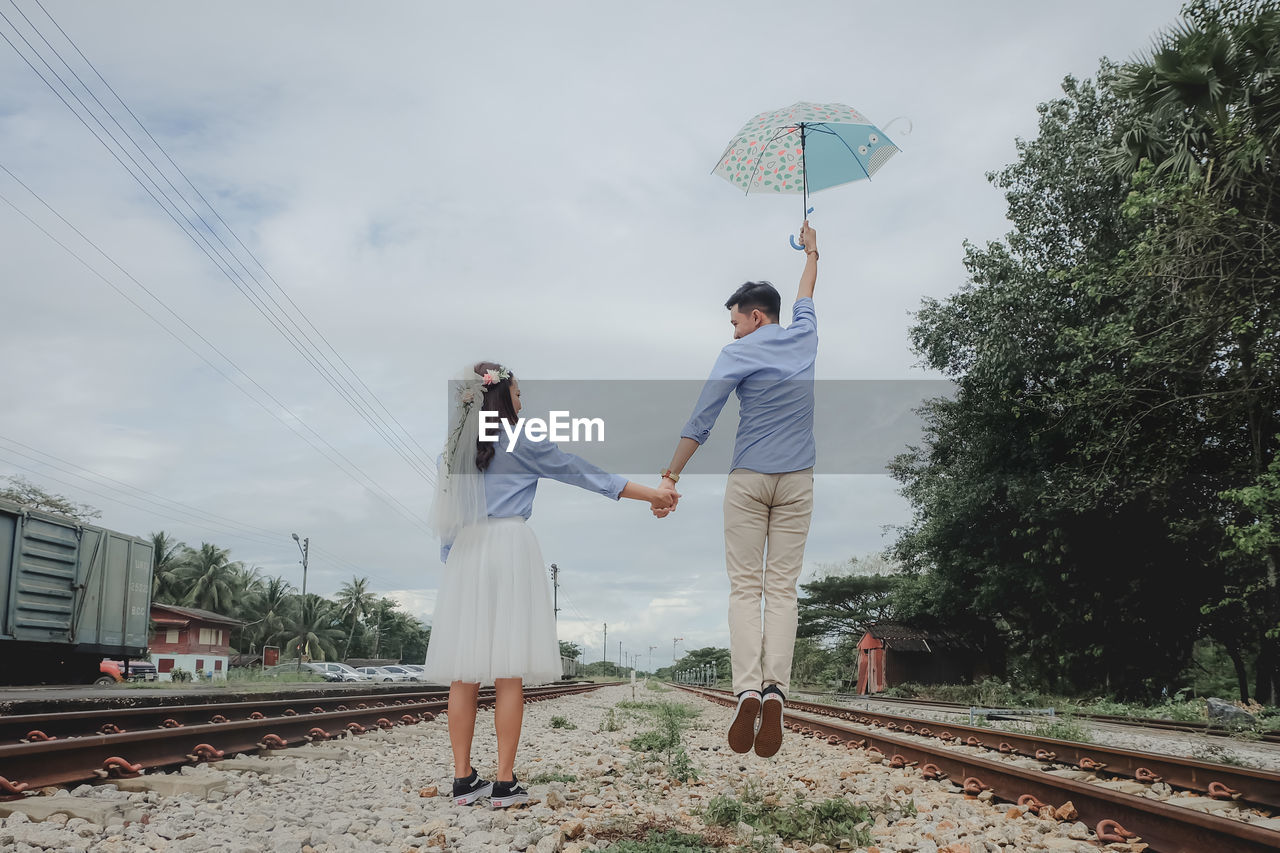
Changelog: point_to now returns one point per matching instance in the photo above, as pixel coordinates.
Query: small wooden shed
(892, 653)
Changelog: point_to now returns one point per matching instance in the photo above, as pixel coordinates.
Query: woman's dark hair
(497, 398)
(756, 294)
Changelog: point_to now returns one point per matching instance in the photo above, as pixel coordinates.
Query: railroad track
(1018, 775)
(154, 738)
(1190, 726)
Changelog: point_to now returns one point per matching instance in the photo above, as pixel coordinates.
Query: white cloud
(528, 182)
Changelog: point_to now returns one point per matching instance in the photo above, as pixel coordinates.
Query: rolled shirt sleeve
(804, 318)
(545, 459)
(727, 372)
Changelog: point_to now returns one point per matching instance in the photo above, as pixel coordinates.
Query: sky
(415, 186)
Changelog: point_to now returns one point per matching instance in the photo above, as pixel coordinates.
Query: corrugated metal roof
(908, 638)
(196, 613)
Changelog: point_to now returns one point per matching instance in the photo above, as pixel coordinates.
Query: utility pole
(673, 649)
(651, 648)
(304, 545)
(555, 591)
(619, 654)
(604, 648)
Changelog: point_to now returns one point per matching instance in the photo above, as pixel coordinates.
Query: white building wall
(188, 663)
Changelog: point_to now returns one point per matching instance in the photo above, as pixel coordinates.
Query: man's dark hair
(756, 294)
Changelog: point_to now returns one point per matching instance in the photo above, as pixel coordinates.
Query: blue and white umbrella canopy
(804, 148)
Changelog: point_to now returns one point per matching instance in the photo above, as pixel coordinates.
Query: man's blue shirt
(771, 370)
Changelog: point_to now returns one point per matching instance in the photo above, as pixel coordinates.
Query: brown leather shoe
(769, 735)
(742, 731)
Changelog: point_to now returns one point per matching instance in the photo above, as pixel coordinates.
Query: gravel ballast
(390, 791)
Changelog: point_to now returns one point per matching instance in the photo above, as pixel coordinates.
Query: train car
(569, 668)
(71, 594)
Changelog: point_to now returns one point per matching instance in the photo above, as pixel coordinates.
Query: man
(769, 496)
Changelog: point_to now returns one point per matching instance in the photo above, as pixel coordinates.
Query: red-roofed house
(190, 639)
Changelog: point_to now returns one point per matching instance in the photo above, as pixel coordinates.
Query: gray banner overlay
(859, 424)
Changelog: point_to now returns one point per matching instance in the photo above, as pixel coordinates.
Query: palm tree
(1207, 96)
(355, 602)
(271, 612)
(168, 556)
(315, 628)
(211, 577)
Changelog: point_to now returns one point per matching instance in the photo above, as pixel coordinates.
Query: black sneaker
(506, 794)
(467, 791)
(742, 731)
(769, 735)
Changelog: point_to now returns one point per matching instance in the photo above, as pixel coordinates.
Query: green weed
(826, 822)
(558, 722)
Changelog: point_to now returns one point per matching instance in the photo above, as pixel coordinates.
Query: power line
(278, 318)
(346, 465)
(158, 504)
(228, 228)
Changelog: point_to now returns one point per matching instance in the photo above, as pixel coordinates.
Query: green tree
(841, 606)
(355, 602)
(168, 557)
(20, 490)
(269, 615)
(212, 579)
(569, 650)
(315, 628)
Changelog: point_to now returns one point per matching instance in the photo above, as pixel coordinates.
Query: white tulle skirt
(494, 617)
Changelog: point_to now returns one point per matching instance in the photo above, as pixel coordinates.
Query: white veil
(460, 498)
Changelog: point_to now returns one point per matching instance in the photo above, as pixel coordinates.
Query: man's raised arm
(808, 278)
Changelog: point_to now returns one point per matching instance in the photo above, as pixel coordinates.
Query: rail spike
(110, 729)
(318, 733)
(973, 786)
(117, 766)
(1219, 791)
(205, 752)
(171, 723)
(1089, 764)
(931, 771)
(272, 741)
(13, 789)
(1113, 833)
(1142, 774)
(37, 736)
(384, 723)
(1030, 803)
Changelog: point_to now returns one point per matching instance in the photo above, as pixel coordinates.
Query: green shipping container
(64, 584)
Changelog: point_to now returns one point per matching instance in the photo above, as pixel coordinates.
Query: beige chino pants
(766, 523)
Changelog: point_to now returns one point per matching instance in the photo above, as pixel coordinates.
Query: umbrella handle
(794, 244)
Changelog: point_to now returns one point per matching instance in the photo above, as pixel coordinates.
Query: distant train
(71, 594)
(569, 668)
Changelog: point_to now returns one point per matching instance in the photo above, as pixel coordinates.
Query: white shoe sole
(508, 802)
(478, 794)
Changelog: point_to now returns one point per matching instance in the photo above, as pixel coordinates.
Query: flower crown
(470, 390)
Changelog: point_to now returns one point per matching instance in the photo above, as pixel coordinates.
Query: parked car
(113, 671)
(344, 672)
(409, 673)
(313, 668)
(383, 673)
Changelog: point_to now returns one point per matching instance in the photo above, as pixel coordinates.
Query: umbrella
(804, 148)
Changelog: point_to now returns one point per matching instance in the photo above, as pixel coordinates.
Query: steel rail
(84, 722)
(1166, 828)
(1219, 781)
(25, 767)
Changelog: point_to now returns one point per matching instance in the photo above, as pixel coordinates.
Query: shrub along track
(1189, 726)
(953, 752)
